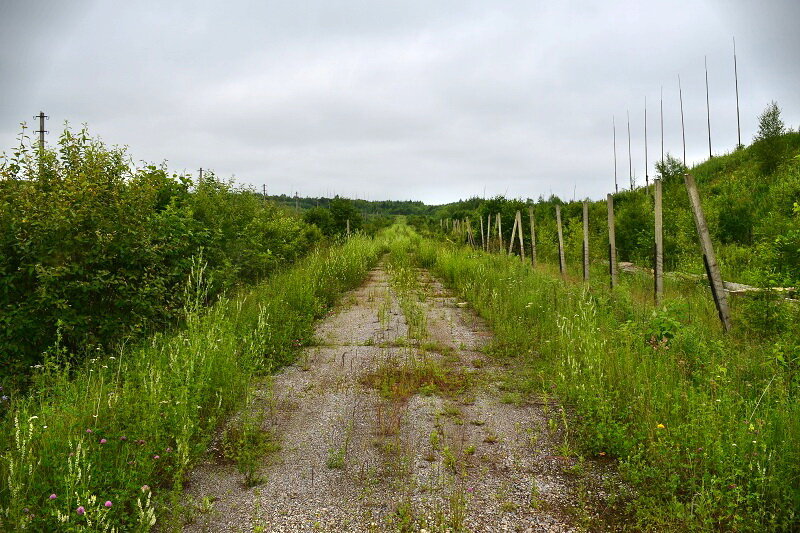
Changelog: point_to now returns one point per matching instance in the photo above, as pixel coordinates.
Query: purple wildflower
(88, 430)
(53, 496)
(108, 504)
(156, 457)
(80, 510)
(103, 441)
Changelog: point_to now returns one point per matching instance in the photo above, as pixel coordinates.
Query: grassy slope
(705, 426)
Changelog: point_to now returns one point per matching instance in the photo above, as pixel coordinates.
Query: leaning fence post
(483, 239)
(533, 237)
(658, 270)
(561, 263)
(612, 242)
(521, 239)
(488, 232)
(710, 260)
(348, 228)
(586, 240)
(513, 236)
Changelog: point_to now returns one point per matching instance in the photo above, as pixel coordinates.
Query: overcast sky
(424, 100)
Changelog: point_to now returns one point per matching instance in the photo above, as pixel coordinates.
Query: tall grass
(106, 445)
(706, 427)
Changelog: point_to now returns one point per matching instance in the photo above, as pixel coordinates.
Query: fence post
(710, 260)
(561, 263)
(348, 227)
(488, 232)
(586, 240)
(658, 270)
(612, 242)
(500, 232)
(533, 237)
(483, 239)
(513, 235)
(521, 239)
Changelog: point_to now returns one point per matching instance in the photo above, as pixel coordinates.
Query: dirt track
(359, 454)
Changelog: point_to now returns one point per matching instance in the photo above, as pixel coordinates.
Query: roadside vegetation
(705, 426)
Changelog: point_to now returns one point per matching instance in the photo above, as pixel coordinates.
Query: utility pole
(683, 128)
(630, 161)
(736, 77)
(41, 131)
(646, 171)
(614, 126)
(708, 108)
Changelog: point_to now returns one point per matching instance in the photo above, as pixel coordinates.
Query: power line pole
(708, 108)
(41, 131)
(683, 128)
(630, 160)
(736, 77)
(614, 126)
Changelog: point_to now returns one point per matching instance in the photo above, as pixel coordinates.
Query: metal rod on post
(646, 171)
(533, 237)
(736, 77)
(708, 108)
(561, 263)
(709, 259)
(658, 270)
(630, 160)
(586, 240)
(614, 126)
(683, 127)
(612, 242)
(662, 125)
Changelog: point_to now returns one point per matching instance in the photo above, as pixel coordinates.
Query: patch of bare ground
(378, 433)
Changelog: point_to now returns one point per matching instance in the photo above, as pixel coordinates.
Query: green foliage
(770, 125)
(704, 425)
(102, 250)
(127, 428)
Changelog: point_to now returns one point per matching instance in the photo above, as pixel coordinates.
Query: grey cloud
(403, 99)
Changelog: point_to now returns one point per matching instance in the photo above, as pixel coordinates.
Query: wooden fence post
(500, 232)
(533, 237)
(513, 235)
(586, 240)
(710, 260)
(612, 242)
(561, 263)
(658, 270)
(348, 227)
(483, 238)
(521, 239)
(488, 232)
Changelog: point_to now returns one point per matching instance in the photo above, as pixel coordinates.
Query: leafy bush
(100, 250)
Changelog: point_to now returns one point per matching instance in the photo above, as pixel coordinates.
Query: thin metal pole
(708, 108)
(683, 127)
(736, 77)
(658, 263)
(614, 126)
(646, 171)
(630, 160)
(662, 125)
(612, 242)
